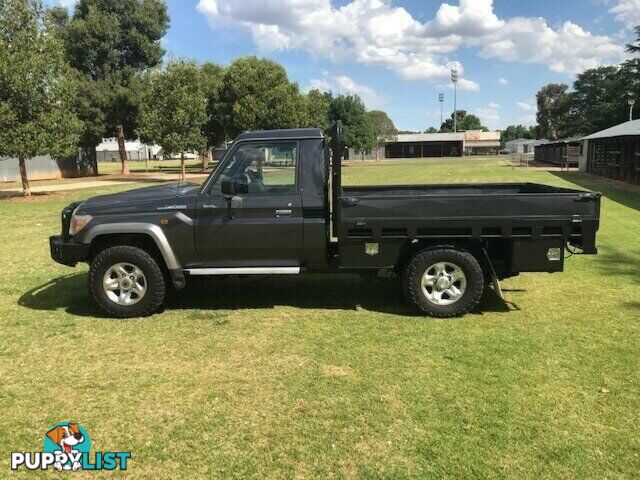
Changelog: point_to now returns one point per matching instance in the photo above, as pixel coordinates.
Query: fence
(617, 158)
(520, 160)
(44, 167)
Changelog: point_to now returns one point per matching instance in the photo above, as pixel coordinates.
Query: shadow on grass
(331, 292)
(616, 263)
(624, 194)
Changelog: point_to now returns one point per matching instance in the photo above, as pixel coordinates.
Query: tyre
(444, 282)
(126, 282)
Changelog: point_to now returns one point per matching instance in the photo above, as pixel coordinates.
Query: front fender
(154, 231)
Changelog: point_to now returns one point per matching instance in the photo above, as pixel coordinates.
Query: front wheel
(443, 283)
(126, 282)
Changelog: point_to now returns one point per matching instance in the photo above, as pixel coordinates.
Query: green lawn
(332, 376)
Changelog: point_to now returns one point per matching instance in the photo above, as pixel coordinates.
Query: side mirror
(227, 187)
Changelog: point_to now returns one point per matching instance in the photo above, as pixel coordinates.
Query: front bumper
(67, 253)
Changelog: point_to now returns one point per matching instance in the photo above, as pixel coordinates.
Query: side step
(245, 271)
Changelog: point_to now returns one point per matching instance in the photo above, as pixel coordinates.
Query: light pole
(454, 79)
(632, 102)
(441, 100)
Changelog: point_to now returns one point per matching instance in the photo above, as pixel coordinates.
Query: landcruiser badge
(371, 248)
(172, 207)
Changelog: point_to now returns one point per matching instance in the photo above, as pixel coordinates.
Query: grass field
(332, 376)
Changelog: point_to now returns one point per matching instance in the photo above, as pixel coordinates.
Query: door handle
(284, 213)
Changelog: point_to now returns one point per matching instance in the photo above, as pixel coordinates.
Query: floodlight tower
(441, 100)
(454, 79)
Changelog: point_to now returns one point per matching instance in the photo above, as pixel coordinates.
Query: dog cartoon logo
(67, 448)
(70, 439)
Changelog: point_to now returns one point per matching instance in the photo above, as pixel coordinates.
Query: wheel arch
(474, 247)
(148, 236)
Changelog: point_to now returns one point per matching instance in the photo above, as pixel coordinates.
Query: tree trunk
(26, 190)
(122, 149)
(205, 159)
(377, 153)
(182, 168)
(209, 157)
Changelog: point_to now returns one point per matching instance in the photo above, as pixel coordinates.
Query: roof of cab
(290, 134)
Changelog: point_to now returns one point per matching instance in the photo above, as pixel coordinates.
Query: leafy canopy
(36, 117)
(256, 94)
(358, 130)
(174, 109)
(465, 122)
(382, 125)
(112, 44)
(553, 111)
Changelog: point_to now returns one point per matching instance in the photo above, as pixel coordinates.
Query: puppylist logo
(67, 448)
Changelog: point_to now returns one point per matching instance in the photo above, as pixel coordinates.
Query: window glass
(262, 168)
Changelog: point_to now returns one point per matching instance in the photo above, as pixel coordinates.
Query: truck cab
(275, 205)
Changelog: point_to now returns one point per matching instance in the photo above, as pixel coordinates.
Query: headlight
(78, 222)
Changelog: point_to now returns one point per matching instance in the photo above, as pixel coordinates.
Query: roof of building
(560, 141)
(626, 129)
(427, 137)
(527, 141)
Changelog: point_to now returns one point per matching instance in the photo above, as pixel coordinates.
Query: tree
(600, 95)
(113, 44)
(553, 110)
(431, 130)
(214, 129)
(635, 48)
(318, 109)
(383, 127)
(35, 113)
(358, 131)
(465, 122)
(88, 101)
(257, 95)
(174, 109)
(514, 132)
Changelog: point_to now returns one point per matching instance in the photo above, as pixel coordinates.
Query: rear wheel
(126, 281)
(443, 282)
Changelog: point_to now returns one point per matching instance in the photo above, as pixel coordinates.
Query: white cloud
(490, 116)
(503, 81)
(528, 120)
(341, 84)
(464, 84)
(525, 106)
(569, 49)
(627, 12)
(376, 32)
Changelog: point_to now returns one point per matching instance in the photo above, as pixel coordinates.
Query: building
(614, 152)
(424, 145)
(430, 145)
(564, 153)
(108, 151)
(477, 142)
(523, 145)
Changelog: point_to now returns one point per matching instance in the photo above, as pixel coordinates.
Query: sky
(397, 54)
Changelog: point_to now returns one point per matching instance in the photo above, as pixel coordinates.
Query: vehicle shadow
(329, 291)
(617, 263)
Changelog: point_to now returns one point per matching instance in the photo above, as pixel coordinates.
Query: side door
(261, 226)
